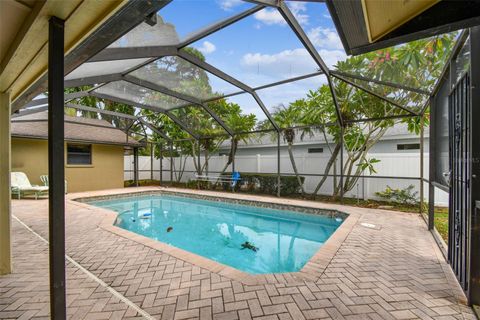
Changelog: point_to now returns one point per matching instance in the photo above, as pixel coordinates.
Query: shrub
(265, 183)
(404, 196)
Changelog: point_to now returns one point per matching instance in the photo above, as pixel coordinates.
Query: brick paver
(394, 271)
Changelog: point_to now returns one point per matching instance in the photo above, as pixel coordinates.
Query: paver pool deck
(392, 271)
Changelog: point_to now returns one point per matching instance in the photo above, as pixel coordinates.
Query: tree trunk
(233, 151)
(294, 166)
(330, 162)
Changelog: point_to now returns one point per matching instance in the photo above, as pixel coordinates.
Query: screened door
(460, 175)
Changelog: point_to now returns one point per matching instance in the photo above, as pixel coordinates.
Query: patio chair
(44, 179)
(21, 185)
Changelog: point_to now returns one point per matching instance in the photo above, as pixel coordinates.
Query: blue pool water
(286, 240)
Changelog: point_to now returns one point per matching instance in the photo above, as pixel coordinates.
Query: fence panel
(391, 164)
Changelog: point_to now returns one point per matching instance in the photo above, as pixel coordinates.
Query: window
(79, 154)
(408, 146)
(315, 150)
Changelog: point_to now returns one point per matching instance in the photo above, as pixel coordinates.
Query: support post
(279, 184)
(341, 162)
(233, 155)
(198, 163)
(5, 204)
(135, 166)
(422, 135)
(198, 158)
(56, 168)
(161, 162)
(474, 290)
(171, 163)
(151, 161)
(431, 165)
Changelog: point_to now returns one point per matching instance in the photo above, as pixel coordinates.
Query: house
(94, 151)
(396, 139)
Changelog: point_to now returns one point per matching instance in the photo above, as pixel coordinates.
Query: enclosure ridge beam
(353, 84)
(382, 82)
(101, 111)
(178, 95)
(219, 25)
(125, 53)
(265, 110)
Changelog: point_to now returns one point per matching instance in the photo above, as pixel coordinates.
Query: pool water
(284, 240)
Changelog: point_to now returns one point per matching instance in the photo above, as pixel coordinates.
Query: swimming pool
(249, 238)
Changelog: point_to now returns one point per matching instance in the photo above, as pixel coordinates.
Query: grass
(441, 222)
(373, 204)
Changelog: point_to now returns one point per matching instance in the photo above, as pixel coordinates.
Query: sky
(259, 49)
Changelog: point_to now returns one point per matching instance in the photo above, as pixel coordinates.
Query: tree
(289, 117)
(417, 64)
(237, 122)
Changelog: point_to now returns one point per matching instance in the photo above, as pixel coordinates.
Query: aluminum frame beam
(155, 129)
(68, 96)
(218, 26)
(126, 53)
(130, 15)
(101, 111)
(353, 84)
(143, 106)
(382, 82)
(222, 75)
(178, 95)
(302, 36)
(29, 111)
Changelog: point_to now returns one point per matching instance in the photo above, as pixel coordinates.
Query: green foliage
(265, 183)
(368, 164)
(404, 196)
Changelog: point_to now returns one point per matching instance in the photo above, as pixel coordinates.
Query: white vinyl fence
(390, 165)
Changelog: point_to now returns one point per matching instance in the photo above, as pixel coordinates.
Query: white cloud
(207, 47)
(331, 57)
(271, 16)
(325, 38)
(299, 10)
(228, 5)
(288, 63)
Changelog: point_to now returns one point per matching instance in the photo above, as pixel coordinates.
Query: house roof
(397, 132)
(369, 25)
(76, 129)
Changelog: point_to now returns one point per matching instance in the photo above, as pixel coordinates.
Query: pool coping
(311, 271)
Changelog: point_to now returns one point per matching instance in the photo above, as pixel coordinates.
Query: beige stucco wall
(106, 172)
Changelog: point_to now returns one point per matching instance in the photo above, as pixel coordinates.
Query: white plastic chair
(21, 185)
(44, 179)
